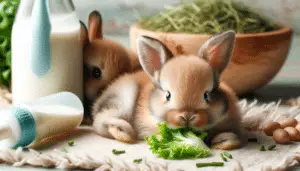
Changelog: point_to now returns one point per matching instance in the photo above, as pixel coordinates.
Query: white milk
(66, 72)
(52, 120)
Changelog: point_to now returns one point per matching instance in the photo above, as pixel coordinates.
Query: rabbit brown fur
(109, 56)
(184, 91)
(104, 59)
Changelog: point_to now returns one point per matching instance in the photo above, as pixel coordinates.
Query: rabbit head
(104, 60)
(186, 89)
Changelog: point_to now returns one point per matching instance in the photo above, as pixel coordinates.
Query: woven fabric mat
(94, 152)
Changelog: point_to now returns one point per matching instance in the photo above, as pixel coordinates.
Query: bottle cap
(21, 124)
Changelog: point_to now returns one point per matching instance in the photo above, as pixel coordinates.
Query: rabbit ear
(84, 34)
(152, 54)
(95, 26)
(218, 50)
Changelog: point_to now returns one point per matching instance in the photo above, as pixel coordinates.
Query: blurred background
(118, 15)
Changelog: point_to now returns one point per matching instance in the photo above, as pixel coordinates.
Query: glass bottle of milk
(46, 50)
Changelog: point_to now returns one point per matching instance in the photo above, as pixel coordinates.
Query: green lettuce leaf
(176, 144)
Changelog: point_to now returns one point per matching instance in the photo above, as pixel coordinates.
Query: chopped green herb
(118, 152)
(71, 143)
(262, 148)
(271, 147)
(64, 150)
(227, 155)
(137, 161)
(223, 157)
(209, 164)
(25, 149)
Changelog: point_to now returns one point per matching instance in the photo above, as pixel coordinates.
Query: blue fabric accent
(41, 30)
(27, 125)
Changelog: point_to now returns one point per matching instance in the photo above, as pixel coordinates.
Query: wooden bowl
(256, 59)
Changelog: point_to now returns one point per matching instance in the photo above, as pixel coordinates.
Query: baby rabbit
(104, 60)
(182, 90)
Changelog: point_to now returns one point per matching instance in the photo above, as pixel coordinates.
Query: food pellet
(298, 127)
(271, 127)
(281, 136)
(288, 123)
(293, 133)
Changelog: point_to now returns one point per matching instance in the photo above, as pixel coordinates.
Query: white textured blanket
(94, 152)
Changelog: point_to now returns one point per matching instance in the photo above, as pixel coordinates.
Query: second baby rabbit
(104, 60)
(183, 91)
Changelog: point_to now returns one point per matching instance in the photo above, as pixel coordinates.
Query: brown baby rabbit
(183, 91)
(104, 60)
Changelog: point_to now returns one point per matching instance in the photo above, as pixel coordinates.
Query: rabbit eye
(206, 97)
(168, 96)
(96, 73)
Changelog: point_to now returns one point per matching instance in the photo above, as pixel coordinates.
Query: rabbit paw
(226, 141)
(121, 130)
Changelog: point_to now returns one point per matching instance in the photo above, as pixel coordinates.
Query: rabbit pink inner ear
(84, 34)
(218, 50)
(95, 26)
(152, 54)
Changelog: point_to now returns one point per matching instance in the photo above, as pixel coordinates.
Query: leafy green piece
(8, 10)
(180, 143)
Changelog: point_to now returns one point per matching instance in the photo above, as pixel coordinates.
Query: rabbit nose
(193, 119)
(185, 119)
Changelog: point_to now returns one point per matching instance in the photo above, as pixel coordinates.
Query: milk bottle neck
(54, 6)
(61, 6)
